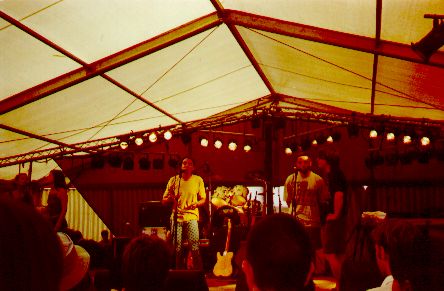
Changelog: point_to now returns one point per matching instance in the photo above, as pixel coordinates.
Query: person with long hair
(57, 200)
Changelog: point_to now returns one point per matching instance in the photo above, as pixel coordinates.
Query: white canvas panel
(40, 169)
(404, 22)
(89, 104)
(92, 30)
(12, 143)
(26, 62)
(351, 16)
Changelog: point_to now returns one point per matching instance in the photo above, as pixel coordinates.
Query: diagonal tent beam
(39, 137)
(221, 12)
(331, 37)
(111, 62)
(375, 56)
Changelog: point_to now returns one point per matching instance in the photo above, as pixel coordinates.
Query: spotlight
(152, 137)
(430, 43)
(123, 145)
(425, 141)
(204, 142)
(128, 163)
(158, 163)
(329, 139)
(232, 146)
(186, 138)
(97, 161)
(373, 134)
(114, 160)
(167, 135)
(138, 141)
(144, 163)
(218, 143)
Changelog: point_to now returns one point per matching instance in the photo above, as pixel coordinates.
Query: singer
(186, 192)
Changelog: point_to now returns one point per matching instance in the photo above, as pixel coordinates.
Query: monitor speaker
(153, 214)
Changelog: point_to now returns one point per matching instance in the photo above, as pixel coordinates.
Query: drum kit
(237, 198)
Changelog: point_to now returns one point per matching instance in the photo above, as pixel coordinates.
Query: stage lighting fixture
(152, 137)
(373, 134)
(232, 146)
(423, 157)
(97, 161)
(247, 147)
(115, 160)
(352, 130)
(425, 141)
(186, 138)
(430, 43)
(173, 162)
(204, 142)
(123, 145)
(144, 163)
(128, 163)
(329, 139)
(138, 141)
(167, 135)
(158, 163)
(218, 143)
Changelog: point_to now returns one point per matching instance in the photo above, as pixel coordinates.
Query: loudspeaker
(153, 214)
(193, 280)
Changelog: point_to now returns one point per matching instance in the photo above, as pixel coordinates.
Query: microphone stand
(293, 199)
(176, 204)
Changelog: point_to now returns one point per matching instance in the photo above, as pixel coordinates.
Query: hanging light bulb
(373, 134)
(232, 146)
(204, 142)
(152, 137)
(314, 142)
(425, 141)
(407, 139)
(329, 139)
(123, 145)
(288, 151)
(218, 144)
(167, 135)
(390, 136)
(138, 141)
(247, 148)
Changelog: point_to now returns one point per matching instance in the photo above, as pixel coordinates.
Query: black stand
(295, 190)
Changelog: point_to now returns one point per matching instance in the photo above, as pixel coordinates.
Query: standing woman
(57, 200)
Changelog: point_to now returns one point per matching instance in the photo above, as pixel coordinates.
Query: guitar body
(223, 265)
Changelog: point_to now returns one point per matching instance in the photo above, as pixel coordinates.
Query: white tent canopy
(77, 71)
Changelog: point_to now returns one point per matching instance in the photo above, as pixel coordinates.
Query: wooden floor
(224, 284)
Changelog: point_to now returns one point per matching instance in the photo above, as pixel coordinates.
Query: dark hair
(280, 253)
(59, 179)
(404, 244)
(145, 263)
(31, 257)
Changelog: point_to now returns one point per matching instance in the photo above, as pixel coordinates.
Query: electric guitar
(223, 265)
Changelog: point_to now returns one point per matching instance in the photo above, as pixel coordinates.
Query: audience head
(104, 234)
(145, 263)
(278, 255)
(75, 265)
(58, 179)
(30, 254)
(327, 159)
(400, 251)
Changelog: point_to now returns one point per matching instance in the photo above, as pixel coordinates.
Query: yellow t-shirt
(191, 191)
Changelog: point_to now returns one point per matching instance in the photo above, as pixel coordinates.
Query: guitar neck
(227, 243)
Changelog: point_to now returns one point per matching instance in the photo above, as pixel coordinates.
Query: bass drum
(221, 215)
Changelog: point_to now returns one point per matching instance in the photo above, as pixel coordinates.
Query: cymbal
(238, 200)
(218, 202)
